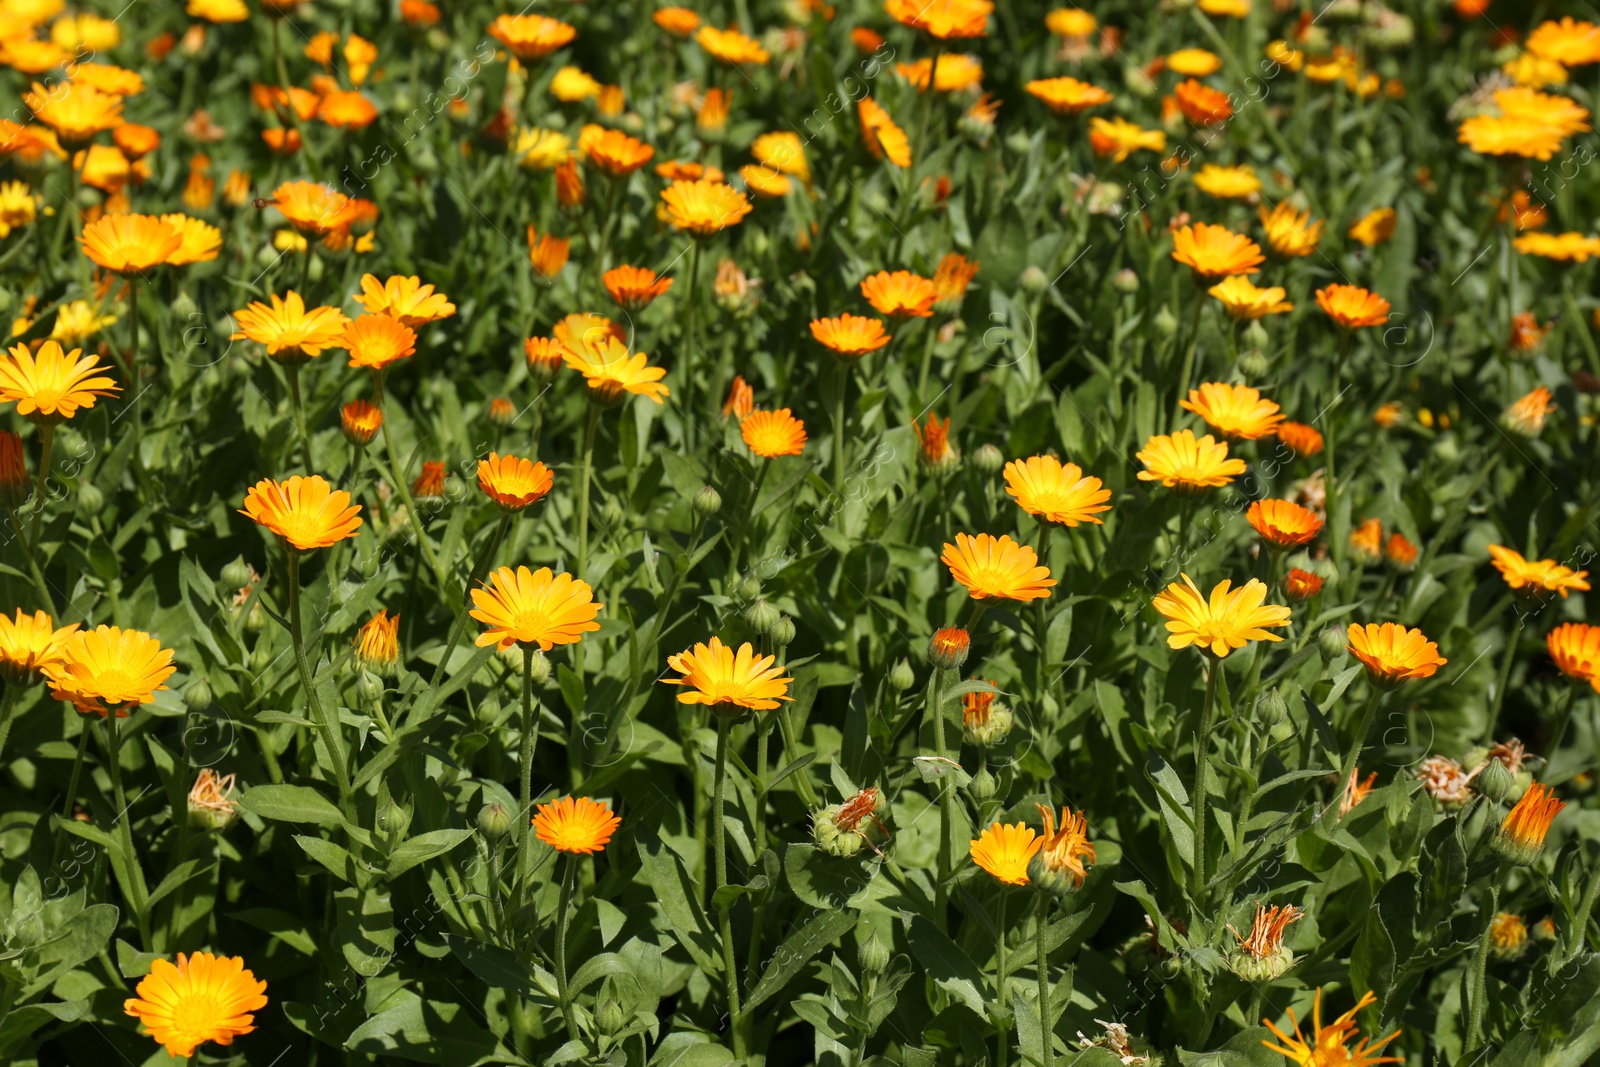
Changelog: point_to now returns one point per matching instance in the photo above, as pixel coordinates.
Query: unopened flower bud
(197, 697)
(608, 1017)
(902, 677)
(830, 838)
(369, 690)
(988, 459)
(236, 575)
(1253, 363)
(494, 821)
(91, 501)
(1255, 335)
(947, 649)
(1494, 781)
(873, 955)
(393, 818)
(1125, 281)
(1034, 280)
(183, 307)
(1330, 644)
(983, 785)
(707, 502)
(748, 590)
(761, 617)
(255, 620)
(261, 657)
(488, 711)
(1272, 709)
(539, 669)
(1166, 323)
(782, 633)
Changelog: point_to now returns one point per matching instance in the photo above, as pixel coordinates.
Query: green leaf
(424, 847)
(180, 874)
(290, 803)
(330, 855)
(496, 966)
(131, 963)
(1174, 801)
(280, 924)
(950, 968)
(1244, 1049)
(426, 1031)
(820, 931)
(677, 899)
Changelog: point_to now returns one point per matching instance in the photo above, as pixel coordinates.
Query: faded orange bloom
(1527, 414)
(430, 483)
(1400, 552)
(741, 398)
(1300, 586)
(933, 438)
(1526, 333)
(1203, 105)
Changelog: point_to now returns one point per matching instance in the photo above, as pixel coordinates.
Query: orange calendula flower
(75, 112)
(1283, 523)
(199, 242)
(611, 370)
(1366, 540)
(1300, 586)
(531, 37)
(1561, 247)
(305, 511)
(545, 355)
(377, 342)
(1203, 105)
(1400, 552)
(900, 294)
(346, 110)
(1526, 334)
(534, 608)
(291, 332)
(378, 643)
(1068, 96)
(29, 645)
(1290, 234)
(513, 482)
(1536, 577)
(1238, 412)
(569, 183)
(1213, 252)
(1303, 440)
(1575, 647)
(405, 299)
(361, 420)
(934, 450)
(956, 72)
(1005, 851)
(430, 483)
(711, 120)
(204, 998)
(948, 648)
(109, 670)
(765, 182)
(50, 385)
(773, 433)
(730, 46)
(704, 207)
(952, 280)
(678, 21)
(1064, 856)
(997, 568)
(1352, 307)
(943, 19)
(1228, 183)
(1508, 935)
(850, 336)
(547, 253)
(1375, 227)
(1521, 836)
(783, 151)
(1243, 300)
(578, 827)
(129, 244)
(136, 141)
(1056, 492)
(741, 398)
(613, 151)
(635, 288)
(1355, 790)
(314, 209)
(1329, 1044)
(420, 14)
(724, 680)
(1119, 138)
(1569, 41)
(1393, 654)
(1188, 465)
(884, 139)
(1228, 620)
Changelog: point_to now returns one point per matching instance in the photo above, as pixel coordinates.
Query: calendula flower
(956, 72)
(378, 643)
(934, 450)
(1400, 551)
(29, 645)
(534, 608)
(765, 182)
(1290, 234)
(19, 206)
(1194, 62)
(108, 79)
(1569, 41)
(109, 670)
(1352, 307)
(1575, 648)
(1508, 935)
(1188, 465)
(1203, 105)
(314, 209)
(547, 253)
(1375, 227)
(1445, 780)
(1389, 414)
(711, 120)
(1536, 577)
(1330, 1044)
(430, 483)
(1119, 138)
(50, 386)
(613, 151)
(304, 510)
(1526, 335)
(1238, 412)
(1393, 654)
(741, 398)
(405, 299)
(952, 280)
(377, 342)
(730, 46)
(1070, 22)
(1068, 96)
(1366, 541)
(947, 649)
(1005, 851)
(199, 241)
(1542, 109)
(1355, 790)
(900, 294)
(635, 288)
(942, 19)
(569, 183)
(1243, 300)
(1521, 836)
(219, 11)
(291, 332)
(531, 37)
(884, 139)
(513, 482)
(1234, 9)
(610, 370)
(360, 420)
(1300, 586)
(773, 433)
(346, 110)
(783, 151)
(1062, 861)
(678, 21)
(704, 207)
(210, 802)
(74, 112)
(850, 336)
(1228, 620)
(1510, 135)
(1303, 440)
(1283, 523)
(578, 827)
(1228, 183)
(1260, 956)
(1056, 492)
(997, 568)
(586, 331)
(1213, 252)
(538, 149)
(1562, 247)
(204, 998)
(103, 168)
(724, 680)
(129, 244)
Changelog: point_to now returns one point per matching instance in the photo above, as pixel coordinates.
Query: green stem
(686, 386)
(1188, 359)
(791, 751)
(583, 488)
(47, 440)
(1336, 532)
(133, 371)
(1480, 965)
(841, 388)
(720, 840)
(397, 477)
(292, 371)
(326, 723)
(1046, 1036)
(1202, 764)
(1003, 1036)
(935, 716)
(39, 584)
(563, 917)
(1579, 323)
(1563, 718)
(1504, 678)
(8, 705)
(497, 904)
(138, 895)
(479, 569)
(927, 363)
(1352, 757)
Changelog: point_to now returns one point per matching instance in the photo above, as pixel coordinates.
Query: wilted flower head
(1260, 956)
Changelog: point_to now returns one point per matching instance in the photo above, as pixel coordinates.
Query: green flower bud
(184, 306)
(1330, 644)
(902, 677)
(1272, 709)
(369, 690)
(236, 575)
(782, 633)
(988, 460)
(832, 840)
(1255, 335)
(261, 658)
(1034, 280)
(393, 818)
(1494, 781)
(1125, 281)
(749, 589)
(1253, 363)
(539, 669)
(488, 711)
(983, 785)
(91, 501)
(1269, 968)
(608, 1017)
(494, 822)
(707, 502)
(873, 955)
(1166, 323)
(761, 617)
(197, 697)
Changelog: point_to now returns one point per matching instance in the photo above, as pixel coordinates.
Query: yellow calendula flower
(1329, 1045)
(1118, 138)
(1188, 465)
(611, 371)
(727, 681)
(203, 998)
(997, 567)
(109, 670)
(1242, 299)
(378, 643)
(1005, 851)
(538, 149)
(1228, 183)
(577, 827)
(51, 385)
(1291, 234)
(1238, 412)
(306, 512)
(1225, 621)
(31, 644)
(405, 299)
(1537, 577)
(1055, 491)
(769, 434)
